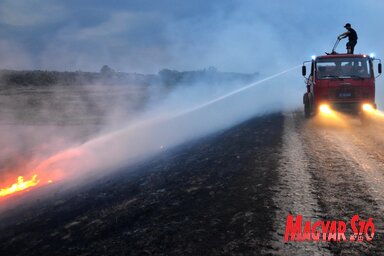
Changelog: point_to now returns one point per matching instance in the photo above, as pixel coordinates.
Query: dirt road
(331, 172)
(227, 194)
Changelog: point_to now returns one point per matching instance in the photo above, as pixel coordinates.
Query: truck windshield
(343, 68)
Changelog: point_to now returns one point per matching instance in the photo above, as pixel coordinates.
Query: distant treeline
(48, 78)
(108, 76)
(210, 75)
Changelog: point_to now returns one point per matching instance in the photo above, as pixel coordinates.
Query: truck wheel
(307, 107)
(307, 110)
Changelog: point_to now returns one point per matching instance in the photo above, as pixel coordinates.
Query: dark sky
(148, 35)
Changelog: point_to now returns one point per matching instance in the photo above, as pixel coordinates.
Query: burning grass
(20, 185)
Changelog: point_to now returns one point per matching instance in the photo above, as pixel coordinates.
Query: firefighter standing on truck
(352, 38)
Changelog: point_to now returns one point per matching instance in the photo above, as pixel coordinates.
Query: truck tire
(307, 107)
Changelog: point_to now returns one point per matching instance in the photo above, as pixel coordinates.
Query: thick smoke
(164, 128)
(38, 121)
(86, 145)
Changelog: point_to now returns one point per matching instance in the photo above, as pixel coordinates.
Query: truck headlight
(325, 108)
(368, 107)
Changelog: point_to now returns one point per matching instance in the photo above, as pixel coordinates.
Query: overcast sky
(148, 35)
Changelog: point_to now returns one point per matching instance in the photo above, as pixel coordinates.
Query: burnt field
(185, 193)
(209, 196)
(226, 194)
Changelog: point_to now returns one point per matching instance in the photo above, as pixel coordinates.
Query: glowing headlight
(368, 107)
(325, 108)
(372, 55)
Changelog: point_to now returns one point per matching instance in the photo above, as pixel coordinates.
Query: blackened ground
(209, 197)
(227, 194)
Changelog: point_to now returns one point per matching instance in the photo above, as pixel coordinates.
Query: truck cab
(343, 82)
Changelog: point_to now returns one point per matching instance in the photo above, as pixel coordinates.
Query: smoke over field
(59, 130)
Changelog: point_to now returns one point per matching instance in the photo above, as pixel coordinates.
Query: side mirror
(379, 68)
(304, 70)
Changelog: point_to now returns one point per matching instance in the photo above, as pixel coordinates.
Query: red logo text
(327, 231)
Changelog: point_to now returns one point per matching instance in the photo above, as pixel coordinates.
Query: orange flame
(19, 186)
(49, 171)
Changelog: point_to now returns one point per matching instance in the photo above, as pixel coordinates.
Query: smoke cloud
(165, 128)
(85, 146)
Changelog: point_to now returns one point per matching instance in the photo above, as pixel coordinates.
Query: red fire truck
(342, 82)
